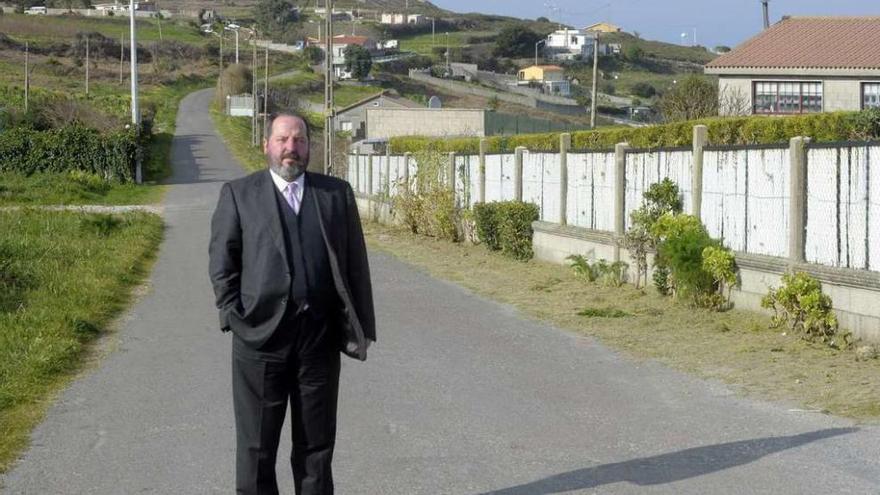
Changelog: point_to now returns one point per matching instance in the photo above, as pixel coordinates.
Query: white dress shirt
(282, 185)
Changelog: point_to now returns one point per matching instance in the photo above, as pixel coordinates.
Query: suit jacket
(248, 260)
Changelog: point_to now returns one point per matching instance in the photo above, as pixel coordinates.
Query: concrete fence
(800, 206)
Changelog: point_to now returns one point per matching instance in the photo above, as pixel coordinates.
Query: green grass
(80, 189)
(54, 28)
(64, 277)
(344, 95)
(236, 132)
(422, 45)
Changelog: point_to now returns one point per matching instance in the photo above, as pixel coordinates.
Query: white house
(340, 43)
(566, 44)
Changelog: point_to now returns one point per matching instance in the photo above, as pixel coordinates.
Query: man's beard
(289, 172)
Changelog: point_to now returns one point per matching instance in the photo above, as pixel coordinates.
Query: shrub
(719, 262)
(506, 226)
(682, 240)
(800, 304)
(427, 204)
(660, 198)
(235, 79)
(643, 89)
(70, 148)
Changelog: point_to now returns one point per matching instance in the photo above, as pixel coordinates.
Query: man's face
(287, 148)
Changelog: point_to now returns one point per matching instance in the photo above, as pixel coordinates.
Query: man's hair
(270, 120)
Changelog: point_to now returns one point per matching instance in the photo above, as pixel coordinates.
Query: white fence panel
(541, 183)
(463, 184)
(873, 160)
(590, 194)
(474, 180)
(644, 169)
(767, 201)
(499, 177)
(853, 218)
(351, 169)
(363, 173)
(396, 174)
(724, 196)
(822, 207)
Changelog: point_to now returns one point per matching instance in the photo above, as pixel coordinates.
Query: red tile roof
(810, 42)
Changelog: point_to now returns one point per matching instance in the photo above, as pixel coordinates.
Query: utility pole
(27, 75)
(328, 87)
(448, 71)
(87, 65)
(135, 111)
(236, 45)
(221, 49)
(595, 80)
(254, 106)
(121, 56)
(266, 90)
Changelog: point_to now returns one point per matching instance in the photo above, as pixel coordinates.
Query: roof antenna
(766, 13)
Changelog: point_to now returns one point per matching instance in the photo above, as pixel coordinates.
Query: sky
(717, 22)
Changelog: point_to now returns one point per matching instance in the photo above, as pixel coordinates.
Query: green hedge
(838, 126)
(506, 226)
(72, 147)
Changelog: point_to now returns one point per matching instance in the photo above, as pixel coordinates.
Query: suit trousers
(299, 364)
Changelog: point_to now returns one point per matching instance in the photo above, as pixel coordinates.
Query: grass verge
(58, 297)
(737, 347)
(236, 133)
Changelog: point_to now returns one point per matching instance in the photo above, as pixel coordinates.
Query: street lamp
(448, 71)
(235, 28)
(536, 49)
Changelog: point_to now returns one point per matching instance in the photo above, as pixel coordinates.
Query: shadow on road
(668, 468)
(193, 162)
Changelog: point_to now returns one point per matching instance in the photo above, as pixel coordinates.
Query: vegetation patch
(55, 298)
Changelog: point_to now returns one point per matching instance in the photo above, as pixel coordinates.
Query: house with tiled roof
(340, 43)
(802, 65)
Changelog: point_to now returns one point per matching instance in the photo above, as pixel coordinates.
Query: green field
(55, 28)
(422, 44)
(56, 298)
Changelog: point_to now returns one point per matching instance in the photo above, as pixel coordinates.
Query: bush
(71, 148)
(838, 126)
(643, 89)
(234, 80)
(427, 204)
(682, 240)
(660, 198)
(506, 226)
(607, 274)
(801, 305)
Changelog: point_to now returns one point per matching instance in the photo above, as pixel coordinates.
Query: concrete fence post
(450, 172)
(701, 139)
(386, 184)
(564, 145)
(518, 172)
(797, 223)
(406, 158)
(357, 170)
(484, 147)
(619, 195)
(370, 173)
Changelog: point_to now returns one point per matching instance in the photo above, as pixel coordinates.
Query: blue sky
(718, 22)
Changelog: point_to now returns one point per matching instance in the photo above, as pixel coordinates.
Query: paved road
(460, 396)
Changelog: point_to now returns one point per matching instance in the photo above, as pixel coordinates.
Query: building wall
(383, 123)
(838, 93)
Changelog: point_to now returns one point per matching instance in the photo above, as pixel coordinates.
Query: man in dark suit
(289, 268)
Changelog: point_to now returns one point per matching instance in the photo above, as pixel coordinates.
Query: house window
(871, 95)
(788, 97)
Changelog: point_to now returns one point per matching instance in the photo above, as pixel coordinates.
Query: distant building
(340, 43)
(603, 27)
(353, 118)
(550, 78)
(568, 44)
(397, 19)
(802, 65)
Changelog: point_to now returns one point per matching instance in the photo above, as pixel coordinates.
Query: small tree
(695, 97)
(514, 41)
(275, 16)
(358, 61)
(235, 79)
(633, 53)
(643, 89)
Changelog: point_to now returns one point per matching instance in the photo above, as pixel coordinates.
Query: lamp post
(447, 55)
(235, 28)
(536, 49)
(432, 30)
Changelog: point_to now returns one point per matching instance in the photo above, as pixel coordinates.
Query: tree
(275, 17)
(643, 89)
(313, 54)
(633, 53)
(358, 61)
(722, 49)
(694, 97)
(542, 19)
(516, 41)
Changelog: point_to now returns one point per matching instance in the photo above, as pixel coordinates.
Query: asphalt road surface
(460, 396)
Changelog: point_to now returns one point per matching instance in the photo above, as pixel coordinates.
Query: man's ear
(265, 146)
